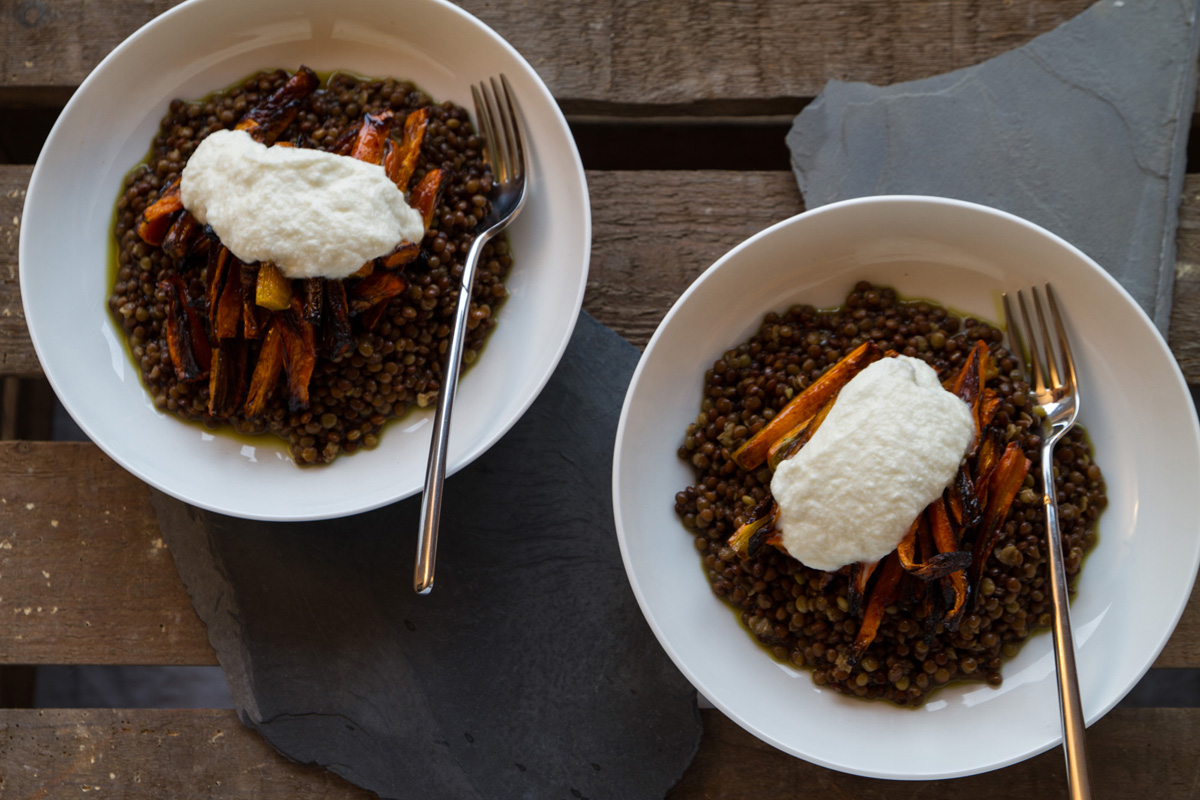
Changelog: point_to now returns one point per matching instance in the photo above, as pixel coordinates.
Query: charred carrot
(299, 353)
(804, 405)
(187, 344)
(267, 120)
(177, 243)
(947, 541)
(229, 307)
(378, 287)
(314, 302)
(403, 254)
(369, 144)
(426, 195)
(339, 340)
(882, 595)
(401, 160)
(254, 316)
(747, 540)
(154, 221)
(266, 372)
(227, 378)
(797, 437)
(1004, 483)
(860, 576)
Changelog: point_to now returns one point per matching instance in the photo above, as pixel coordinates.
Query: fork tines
(1043, 367)
(497, 121)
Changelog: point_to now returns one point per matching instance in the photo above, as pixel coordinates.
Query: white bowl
(204, 45)
(1135, 405)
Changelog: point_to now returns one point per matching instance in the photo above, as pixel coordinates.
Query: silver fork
(504, 150)
(1056, 394)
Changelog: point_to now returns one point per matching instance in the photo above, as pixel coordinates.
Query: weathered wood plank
(17, 358)
(1129, 750)
(85, 578)
(623, 54)
(149, 753)
(653, 233)
(84, 575)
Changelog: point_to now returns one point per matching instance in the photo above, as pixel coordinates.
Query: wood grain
(620, 56)
(85, 577)
(151, 753)
(199, 753)
(646, 249)
(1129, 750)
(17, 358)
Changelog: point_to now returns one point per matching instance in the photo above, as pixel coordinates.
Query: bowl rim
(37, 187)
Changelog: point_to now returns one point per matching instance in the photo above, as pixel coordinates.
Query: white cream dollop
(312, 213)
(890, 445)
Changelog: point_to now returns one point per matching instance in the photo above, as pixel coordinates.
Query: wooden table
(706, 89)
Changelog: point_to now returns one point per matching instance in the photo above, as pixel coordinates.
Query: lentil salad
(392, 364)
(809, 618)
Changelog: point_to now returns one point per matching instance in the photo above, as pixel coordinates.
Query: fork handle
(1070, 708)
(435, 470)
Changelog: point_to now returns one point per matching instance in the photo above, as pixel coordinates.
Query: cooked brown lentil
(395, 366)
(800, 614)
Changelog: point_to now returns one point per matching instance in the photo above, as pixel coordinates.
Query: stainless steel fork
(1056, 394)
(504, 151)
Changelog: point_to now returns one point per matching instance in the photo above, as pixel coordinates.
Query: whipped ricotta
(313, 214)
(890, 445)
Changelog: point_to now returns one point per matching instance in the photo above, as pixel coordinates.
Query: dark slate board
(529, 671)
(1083, 131)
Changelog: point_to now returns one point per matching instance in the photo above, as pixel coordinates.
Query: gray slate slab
(1083, 131)
(529, 672)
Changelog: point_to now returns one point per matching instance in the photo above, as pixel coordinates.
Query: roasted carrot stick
(804, 405)
(254, 316)
(1003, 485)
(797, 437)
(227, 378)
(154, 221)
(882, 595)
(345, 142)
(187, 344)
(271, 117)
(266, 372)
(177, 243)
(400, 160)
(930, 565)
(860, 576)
(369, 144)
(229, 306)
(339, 339)
(947, 541)
(749, 538)
(963, 502)
(314, 302)
(378, 287)
(426, 195)
(299, 353)
(404, 253)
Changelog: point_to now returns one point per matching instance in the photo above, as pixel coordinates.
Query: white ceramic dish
(1134, 585)
(204, 45)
